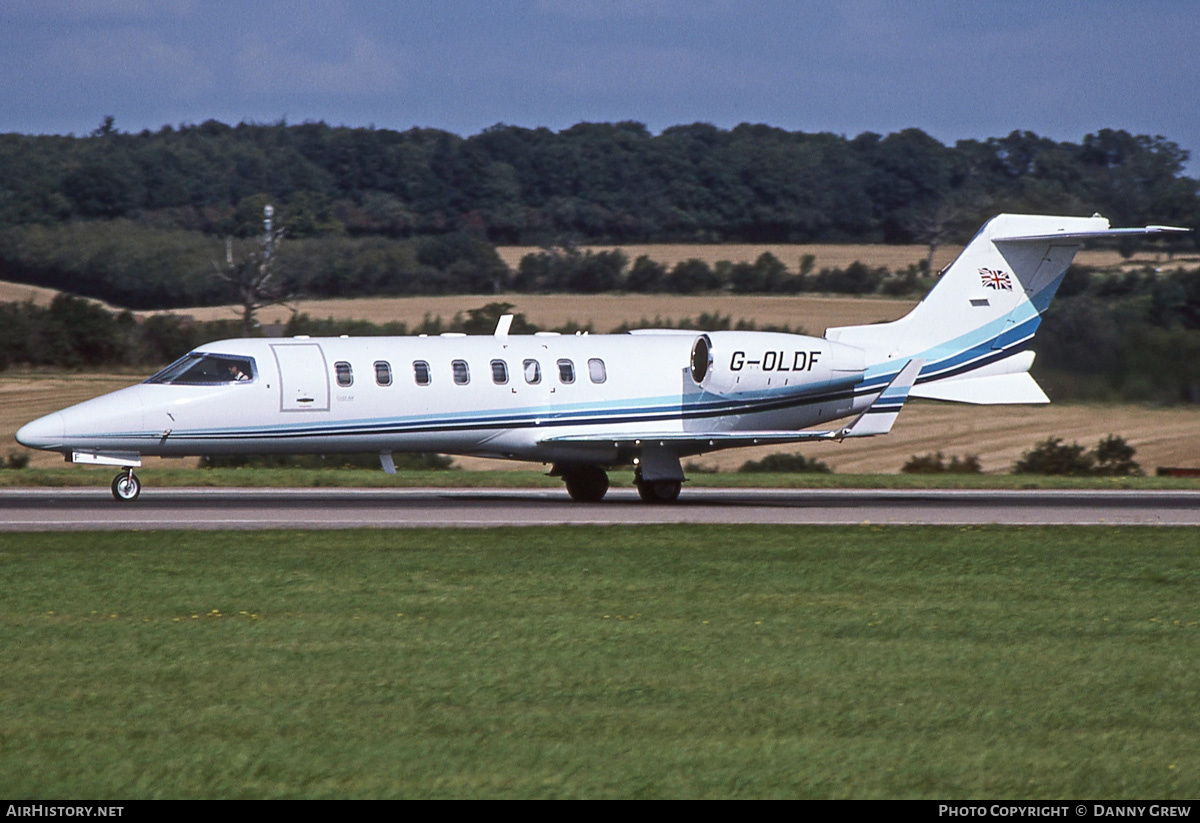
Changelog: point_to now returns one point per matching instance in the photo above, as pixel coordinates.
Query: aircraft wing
(876, 419)
(705, 440)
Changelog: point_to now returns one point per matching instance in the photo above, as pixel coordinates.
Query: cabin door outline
(303, 377)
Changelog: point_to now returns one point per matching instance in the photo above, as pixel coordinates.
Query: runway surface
(196, 508)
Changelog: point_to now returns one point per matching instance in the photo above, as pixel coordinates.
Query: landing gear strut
(585, 484)
(126, 487)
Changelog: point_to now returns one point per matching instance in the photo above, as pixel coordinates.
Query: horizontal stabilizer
(1091, 235)
(996, 389)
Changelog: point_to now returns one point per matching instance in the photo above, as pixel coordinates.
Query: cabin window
(421, 372)
(462, 374)
(383, 373)
(596, 370)
(345, 375)
(499, 372)
(566, 371)
(533, 372)
(204, 369)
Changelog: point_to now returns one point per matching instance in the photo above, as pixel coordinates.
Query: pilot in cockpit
(236, 375)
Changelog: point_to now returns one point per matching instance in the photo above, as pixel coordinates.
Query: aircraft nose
(43, 433)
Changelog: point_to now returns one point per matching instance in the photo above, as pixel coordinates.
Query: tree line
(592, 182)
(1134, 336)
(135, 266)
(141, 220)
(128, 263)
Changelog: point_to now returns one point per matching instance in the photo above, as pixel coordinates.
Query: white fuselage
(498, 396)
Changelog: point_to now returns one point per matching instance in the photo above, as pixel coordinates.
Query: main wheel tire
(587, 484)
(126, 487)
(659, 491)
(667, 491)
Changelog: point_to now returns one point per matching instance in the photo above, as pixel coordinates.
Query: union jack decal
(995, 279)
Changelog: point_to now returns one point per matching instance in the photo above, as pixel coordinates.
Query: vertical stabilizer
(984, 310)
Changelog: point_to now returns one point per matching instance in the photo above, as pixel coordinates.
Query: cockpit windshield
(206, 369)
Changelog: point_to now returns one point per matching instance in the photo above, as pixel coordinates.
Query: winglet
(879, 417)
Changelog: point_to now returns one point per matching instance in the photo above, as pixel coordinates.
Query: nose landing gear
(126, 487)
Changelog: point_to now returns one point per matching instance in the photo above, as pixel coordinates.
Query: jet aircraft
(588, 403)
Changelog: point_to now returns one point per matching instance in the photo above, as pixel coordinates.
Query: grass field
(613, 662)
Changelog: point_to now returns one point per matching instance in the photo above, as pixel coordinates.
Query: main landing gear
(126, 487)
(657, 491)
(589, 484)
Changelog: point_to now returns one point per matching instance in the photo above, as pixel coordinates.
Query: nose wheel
(126, 487)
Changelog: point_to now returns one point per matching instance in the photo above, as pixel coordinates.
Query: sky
(953, 69)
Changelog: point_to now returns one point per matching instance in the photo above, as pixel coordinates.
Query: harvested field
(20, 293)
(826, 255)
(830, 255)
(998, 434)
(604, 311)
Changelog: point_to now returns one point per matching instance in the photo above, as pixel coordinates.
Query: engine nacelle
(731, 362)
